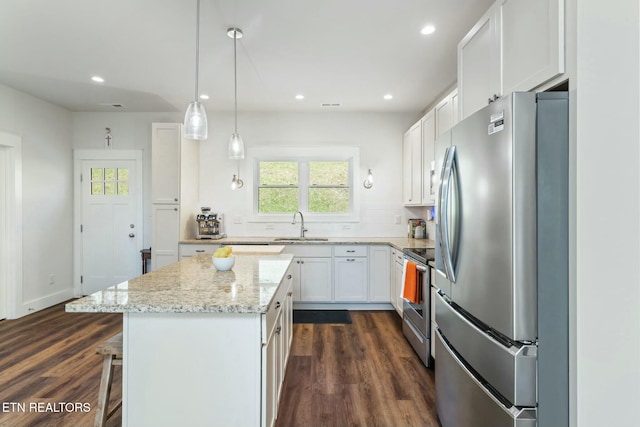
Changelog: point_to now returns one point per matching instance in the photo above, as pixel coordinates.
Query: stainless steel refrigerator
(502, 265)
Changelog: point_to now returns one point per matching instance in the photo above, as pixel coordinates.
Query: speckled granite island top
(194, 286)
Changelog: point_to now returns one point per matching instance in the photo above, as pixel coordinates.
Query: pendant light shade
(236, 145)
(195, 119)
(195, 122)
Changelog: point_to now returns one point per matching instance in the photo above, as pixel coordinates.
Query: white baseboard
(43, 302)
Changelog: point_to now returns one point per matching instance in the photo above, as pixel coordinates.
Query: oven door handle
(421, 268)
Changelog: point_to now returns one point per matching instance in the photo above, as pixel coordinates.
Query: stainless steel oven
(416, 319)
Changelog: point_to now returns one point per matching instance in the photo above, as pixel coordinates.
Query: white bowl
(224, 264)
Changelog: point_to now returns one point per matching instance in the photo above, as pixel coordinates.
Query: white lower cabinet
(312, 273)
(187, 251)
(278, 327)
(350, 279)
(397, 265)
(379, 274)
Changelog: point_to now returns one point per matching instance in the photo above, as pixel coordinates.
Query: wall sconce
(368, 183)
(236, 182)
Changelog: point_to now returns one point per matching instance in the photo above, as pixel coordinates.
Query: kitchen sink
(300, 239)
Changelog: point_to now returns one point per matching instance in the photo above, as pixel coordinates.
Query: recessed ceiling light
(388, 96)
(204, 96)
(97, 79)
(427, 29)
(299, 96)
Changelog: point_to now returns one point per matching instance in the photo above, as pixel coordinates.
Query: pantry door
(111, 222)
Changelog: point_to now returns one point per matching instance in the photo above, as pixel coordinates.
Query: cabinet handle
(289, 277)
(199, 250)
(175, 200)
(289, 294)
(301, 262)
(278, 304)
(298, 261)
(350, 259)
(175, 209)
(278, 329)
(350, 251)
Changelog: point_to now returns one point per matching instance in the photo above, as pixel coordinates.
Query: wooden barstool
(111, 350)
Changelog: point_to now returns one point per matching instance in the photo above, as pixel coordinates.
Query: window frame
(303, 156)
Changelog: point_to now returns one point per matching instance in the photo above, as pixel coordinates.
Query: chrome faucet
(302, 229)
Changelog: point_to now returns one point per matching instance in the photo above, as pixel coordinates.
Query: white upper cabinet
(428, 141)
(412, 165)
(479, 71)
(532, 43)
(517, 45)
(165, 161)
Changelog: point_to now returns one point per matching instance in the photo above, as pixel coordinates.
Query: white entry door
(110, 232)
(4, 239)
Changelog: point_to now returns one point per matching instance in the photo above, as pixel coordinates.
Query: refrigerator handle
(439, 217)
(445, 244)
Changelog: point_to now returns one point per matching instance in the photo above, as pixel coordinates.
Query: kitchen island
(201, 346)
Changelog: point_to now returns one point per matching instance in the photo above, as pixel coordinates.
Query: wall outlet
(396, 219)
(237, 220)
(269, 227)
(346, 226)
(52, 279)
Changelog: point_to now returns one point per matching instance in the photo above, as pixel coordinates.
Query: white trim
(302, 154)
(13, 231)
(78, 157)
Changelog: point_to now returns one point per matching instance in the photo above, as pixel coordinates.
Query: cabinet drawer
(278, 302)
(191, 250)
(348, 251)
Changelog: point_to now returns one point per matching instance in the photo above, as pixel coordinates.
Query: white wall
(47, 196)
(129, 131)
(608, 214)
(378, 136)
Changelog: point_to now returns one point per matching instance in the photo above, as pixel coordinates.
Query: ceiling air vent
(330, 105)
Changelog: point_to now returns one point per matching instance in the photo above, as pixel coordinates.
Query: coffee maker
(209, 224)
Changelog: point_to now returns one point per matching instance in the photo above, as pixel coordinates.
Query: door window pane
(123, 174)
(96, 174)
(96, 189)
(123, 188)
(110, 188)
(110, 174)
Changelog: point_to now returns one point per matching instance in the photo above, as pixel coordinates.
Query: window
(310, 186)
(109, 181)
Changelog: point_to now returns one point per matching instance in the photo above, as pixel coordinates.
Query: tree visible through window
(320, 187)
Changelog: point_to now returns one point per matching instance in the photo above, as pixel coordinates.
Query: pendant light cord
(235, 77)
(197, 47)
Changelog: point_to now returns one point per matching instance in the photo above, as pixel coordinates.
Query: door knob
(132, 235)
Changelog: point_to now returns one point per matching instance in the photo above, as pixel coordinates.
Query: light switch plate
(237, 220)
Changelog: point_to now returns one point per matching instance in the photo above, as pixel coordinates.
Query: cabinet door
(269, 389)
(398, 279)
(535, 28)
(428, 146)
(165, 228)
(187, 251)
(479, 60)
(379, 274)
(455, 107)
(315, 280)
(444, 116)
(350, 279)
(407, 186)
(165, 162)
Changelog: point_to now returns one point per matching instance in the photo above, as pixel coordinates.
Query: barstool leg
(105, 391)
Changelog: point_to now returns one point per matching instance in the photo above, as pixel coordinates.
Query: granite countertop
(396, 242)
(194, 286)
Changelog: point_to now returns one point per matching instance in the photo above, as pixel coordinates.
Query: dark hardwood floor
(363, 374)
(49, 357)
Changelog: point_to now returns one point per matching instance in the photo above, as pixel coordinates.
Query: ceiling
(347, 52)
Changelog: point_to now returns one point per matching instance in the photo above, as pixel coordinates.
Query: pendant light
(236, 145)
(195, 119)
